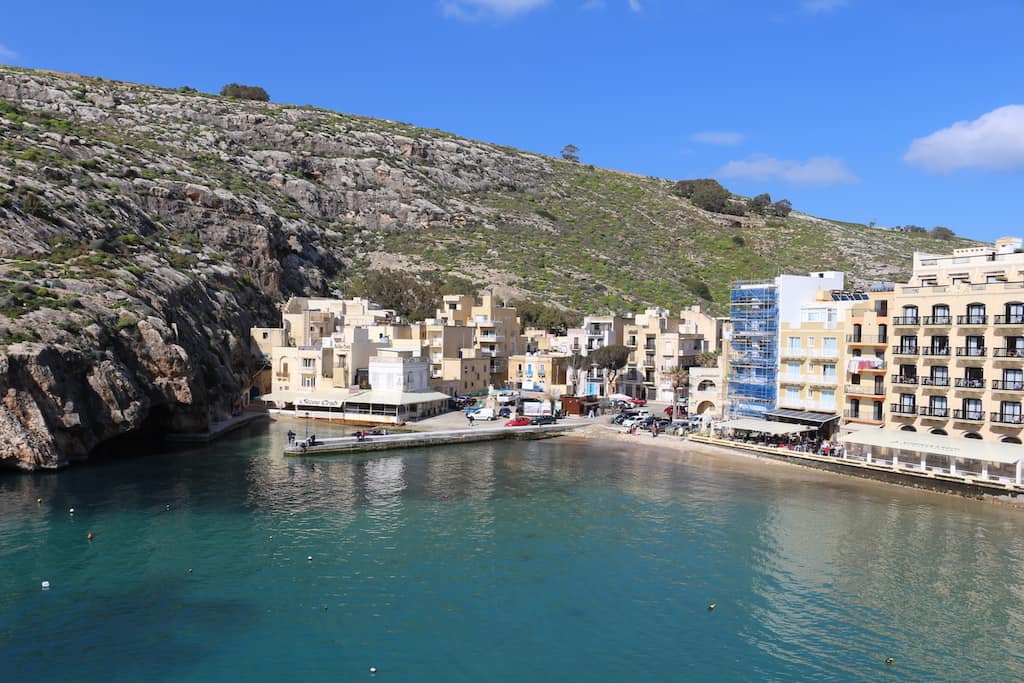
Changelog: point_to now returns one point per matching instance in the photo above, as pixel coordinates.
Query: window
(829, 370)
(1014, 313)
(937, 406)
(792, 395)
(793, 344)
(972, 408)
(857, 330)
(929, 282)
(940, 344)
(829, 345)
(828, 398)
(309, 363)
(999, 277)
(854, 407)
(1010, 411)
(940, 314)
(266, 335)
(907, 403)
(961, 280)
(910, 314)
(908, 343)
(975, 314)
(792, 369)
(309, 382)
(1013, 379)
(940, 376)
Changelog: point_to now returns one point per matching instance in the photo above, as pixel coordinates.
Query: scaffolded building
(754, 349)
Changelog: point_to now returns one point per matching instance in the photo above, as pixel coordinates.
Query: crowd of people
(801, 443)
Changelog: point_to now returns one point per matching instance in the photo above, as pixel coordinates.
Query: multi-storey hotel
(957, 345)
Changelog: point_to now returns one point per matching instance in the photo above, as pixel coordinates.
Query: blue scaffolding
(754, 357)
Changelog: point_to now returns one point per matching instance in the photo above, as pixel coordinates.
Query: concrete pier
(350, 444)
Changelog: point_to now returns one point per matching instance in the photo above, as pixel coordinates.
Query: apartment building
(496, 329)
(758, 312)
(866, 364)
(540, 372)
(958, 344)
(810, 354)
(706, 394)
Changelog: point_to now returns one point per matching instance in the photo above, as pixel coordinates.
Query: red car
(638, 401)
(518, 422)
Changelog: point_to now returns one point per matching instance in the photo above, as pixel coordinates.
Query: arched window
(972, 435)
(975, 314)
(1010, 439)
(910, 314)
(706, 385)
(1014, 313)
(938, 432)
(908, 428)
(940, 314)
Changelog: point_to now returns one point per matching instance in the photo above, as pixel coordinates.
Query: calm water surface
(544, 561)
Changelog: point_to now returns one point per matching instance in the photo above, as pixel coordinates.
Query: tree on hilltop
(941, 232)
(782, 208)
(245, 92)
(571, 153)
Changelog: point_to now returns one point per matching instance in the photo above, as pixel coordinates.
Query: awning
(336, 399)
(753, 424)
(935, 444)
(802, 416)
(859, 427)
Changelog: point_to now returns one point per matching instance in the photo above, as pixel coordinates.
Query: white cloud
(6, 52)
(471, 10)
(993, 141)
(635, 6)
(822, 6)
(820, 171)
(717, 137)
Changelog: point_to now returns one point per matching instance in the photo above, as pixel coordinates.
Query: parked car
(635, 420)
(676, 428)
(624, 415)
(543, 420)
(671, 410)
(638, 401)
(649, 422)
(473, 408)
(505, 412)
(484, 414)
(518, 422)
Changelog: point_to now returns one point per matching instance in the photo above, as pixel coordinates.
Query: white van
(484, 414)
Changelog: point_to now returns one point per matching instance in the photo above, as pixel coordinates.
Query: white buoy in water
(310, 558)
(373, 669)
(71, 510)
(46, 585)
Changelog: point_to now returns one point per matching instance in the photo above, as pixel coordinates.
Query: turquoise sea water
(543, 561)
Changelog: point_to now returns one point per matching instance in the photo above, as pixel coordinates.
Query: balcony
(965, 383)
(863, 416)
(933, 411)
(905, 350)
(865, 390)
(1013, 319)
(906, 321)
(934, 381)
(792, 352)
(972, 320)
(903, 409)
(901, 379)
(867, 339)
(934, 350)
(971, 351)
(937, 320)
(822, 380)
(1007, 418)
(807, 404)
(1003, 385)
(1002, 352)
(968, 415)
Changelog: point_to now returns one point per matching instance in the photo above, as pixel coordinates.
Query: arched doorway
(705, 407)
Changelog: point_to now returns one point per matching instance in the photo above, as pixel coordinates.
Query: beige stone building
(866, 365)
(496, 329)
(706, 395)
(540, 372)
(957, 344)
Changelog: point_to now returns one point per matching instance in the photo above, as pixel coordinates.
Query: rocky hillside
(143, 231)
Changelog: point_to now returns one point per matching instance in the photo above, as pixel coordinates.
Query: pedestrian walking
(291, 436)
(470, 418)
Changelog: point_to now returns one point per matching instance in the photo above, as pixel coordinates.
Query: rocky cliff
(144, 230)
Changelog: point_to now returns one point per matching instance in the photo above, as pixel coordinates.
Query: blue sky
(894, 112)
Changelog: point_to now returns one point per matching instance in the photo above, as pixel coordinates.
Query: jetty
(383, 442)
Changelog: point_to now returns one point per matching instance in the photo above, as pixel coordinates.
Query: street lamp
(307, 424)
